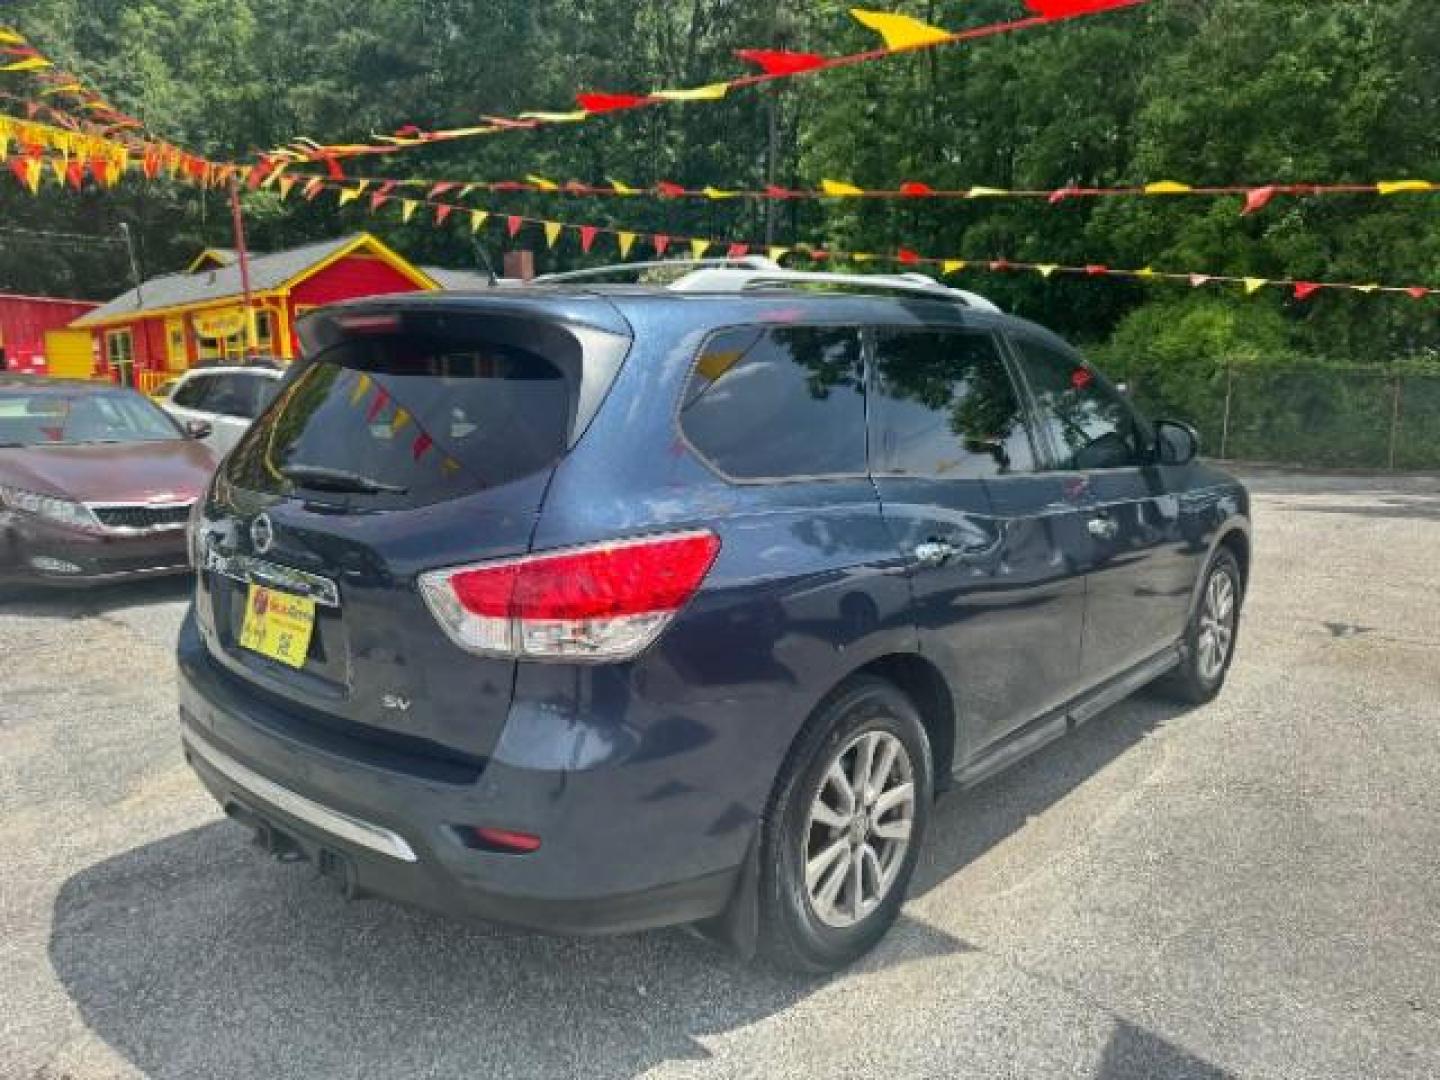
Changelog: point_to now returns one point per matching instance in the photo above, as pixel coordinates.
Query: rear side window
(443, 409)
(770, 403)
(231, 396)
(193, 393)
(946, 408)
(1090, 426)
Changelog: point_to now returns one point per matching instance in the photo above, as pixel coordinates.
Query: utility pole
(134, 263)
(243, 257)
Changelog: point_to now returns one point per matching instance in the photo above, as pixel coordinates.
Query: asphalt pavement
(1249, 889)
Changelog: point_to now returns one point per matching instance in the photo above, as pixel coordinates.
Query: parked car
(226, 398)
(593, 608)
(96, 483)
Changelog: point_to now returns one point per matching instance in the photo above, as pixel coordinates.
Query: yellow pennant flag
(862, 257)
(541, 183)
(32, 175)
(626, 241)
(30, 63)
(477, 218)
(399, 420)
(466, 190)
(349, 195)
(556, 117)
(10, 37)
(362, 387)
(407, 208)
(1167, 187)
(285, 184)
(712, 92)
(623, 189)
(1146, 272)
(698, 248)
(1046, 269)
(552, 232)
(1400, 187)
(986, 192)
(59, 165)
(1367, 288)
(718, 193)
(952, 266)
(1254, 285)
(778, 253)
(900, 31)
(839, 189)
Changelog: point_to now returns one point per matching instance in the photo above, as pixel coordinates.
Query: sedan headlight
(61, 511)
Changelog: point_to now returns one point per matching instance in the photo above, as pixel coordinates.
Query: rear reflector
(602, 602)
(506, 841)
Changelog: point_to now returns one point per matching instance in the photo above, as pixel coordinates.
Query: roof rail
(728, 278)
(747, 262)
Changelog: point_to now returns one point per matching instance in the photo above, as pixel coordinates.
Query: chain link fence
(1308, 415)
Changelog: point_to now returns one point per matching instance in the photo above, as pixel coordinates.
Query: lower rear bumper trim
(367, 835)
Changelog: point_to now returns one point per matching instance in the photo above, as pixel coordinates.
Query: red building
(173, 322)
(24, 322)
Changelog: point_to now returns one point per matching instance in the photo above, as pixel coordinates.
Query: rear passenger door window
(1086, 421)
(191, 394)
(946, 408)
(231, 396)
(775, 403)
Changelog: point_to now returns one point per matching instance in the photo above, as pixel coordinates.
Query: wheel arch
(918, 678)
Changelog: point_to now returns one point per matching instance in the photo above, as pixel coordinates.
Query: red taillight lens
(506, 841)
(604, 602)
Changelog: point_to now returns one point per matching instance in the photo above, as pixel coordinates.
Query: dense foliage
(1205, 91)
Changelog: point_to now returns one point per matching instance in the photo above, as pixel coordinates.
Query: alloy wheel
(859, 828)
(1217, 625)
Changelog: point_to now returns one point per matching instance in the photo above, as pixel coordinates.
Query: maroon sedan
(96, 483)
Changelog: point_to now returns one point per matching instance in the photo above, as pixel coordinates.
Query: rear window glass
(778, 403)
(416, 417)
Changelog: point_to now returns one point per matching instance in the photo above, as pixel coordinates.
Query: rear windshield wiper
(320, 478)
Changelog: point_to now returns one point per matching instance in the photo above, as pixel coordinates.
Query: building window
(265, 331)
(120, 351)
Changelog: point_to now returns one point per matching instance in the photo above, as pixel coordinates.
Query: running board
(1048, 727)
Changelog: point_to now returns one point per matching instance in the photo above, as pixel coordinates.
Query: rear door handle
(1102, 528)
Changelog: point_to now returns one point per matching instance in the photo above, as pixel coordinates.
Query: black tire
(791, 933)
(1190, 683)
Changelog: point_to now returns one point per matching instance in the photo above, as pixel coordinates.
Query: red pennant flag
(382, 398)
(906, 257)
(587, 236)
(17, 166)
(333, 168)
(1000, 265)
(669, 190)
(441, 188)
(1418, 292)
(1097, 270)
(150, 164)
(1061, 9)
(75, 175)
(1059, 195)
(256, 176)
(1196, 280)
(1257, 199)
(661, 242)
(575, 187)
(312, 187)
(737, 251)
(916, 189)
(819, 254)
(595, 102)
(100, 169)
(1305, 289)
(422, 443)
(442, 211)
(780, 62)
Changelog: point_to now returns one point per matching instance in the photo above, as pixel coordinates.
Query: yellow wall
(68, 354)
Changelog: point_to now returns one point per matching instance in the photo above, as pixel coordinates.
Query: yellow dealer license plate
(278, 625)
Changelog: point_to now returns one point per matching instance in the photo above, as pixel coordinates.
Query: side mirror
(1177, 443)
(198, 429)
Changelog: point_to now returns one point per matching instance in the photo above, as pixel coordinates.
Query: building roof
(457, 279)
(267, 272)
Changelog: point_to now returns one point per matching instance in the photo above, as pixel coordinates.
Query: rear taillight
(601, 602)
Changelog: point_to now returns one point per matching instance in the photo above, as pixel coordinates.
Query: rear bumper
(391, 832)
(32, 550)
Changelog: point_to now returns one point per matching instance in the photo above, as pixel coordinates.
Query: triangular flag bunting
(407, 208)
(906, 257)
(477, 218)
(777, 253)
(626, 241)
(541, 184)
(1256, 199)
(552, 232)
(442, 211)
(718, 193)
(513, 224)
(1418, 292)
(1400, 187)
(1255, 284)
(986, 192)
(348, 195)
(1196, 280)
(712, 92)
(587, 236)
(1306, 289)
(915, 189)
(698, 248)
(623, 189)
(595, 102)
(952, 266)
(900, 31)
(1167, 187)
(778, 62)
(1062, 9)
(661, 242)
(840, 190)
(555, 117)
(1046, 269)
(1367, 288)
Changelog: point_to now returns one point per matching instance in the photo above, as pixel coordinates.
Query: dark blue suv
(598, 607)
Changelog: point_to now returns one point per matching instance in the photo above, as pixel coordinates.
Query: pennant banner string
(900, 34)
(1256, 196)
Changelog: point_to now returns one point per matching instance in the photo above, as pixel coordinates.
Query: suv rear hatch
(416, 433)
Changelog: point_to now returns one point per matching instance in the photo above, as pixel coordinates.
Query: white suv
(227, 398)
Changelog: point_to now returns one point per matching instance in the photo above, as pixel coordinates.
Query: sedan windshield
(54, 418)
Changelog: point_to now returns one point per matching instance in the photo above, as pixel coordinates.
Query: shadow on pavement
(83, 601)
(195, 955)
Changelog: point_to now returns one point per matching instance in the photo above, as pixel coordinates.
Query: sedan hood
(161, 472)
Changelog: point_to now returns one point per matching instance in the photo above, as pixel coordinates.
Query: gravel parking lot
(1251, 888)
